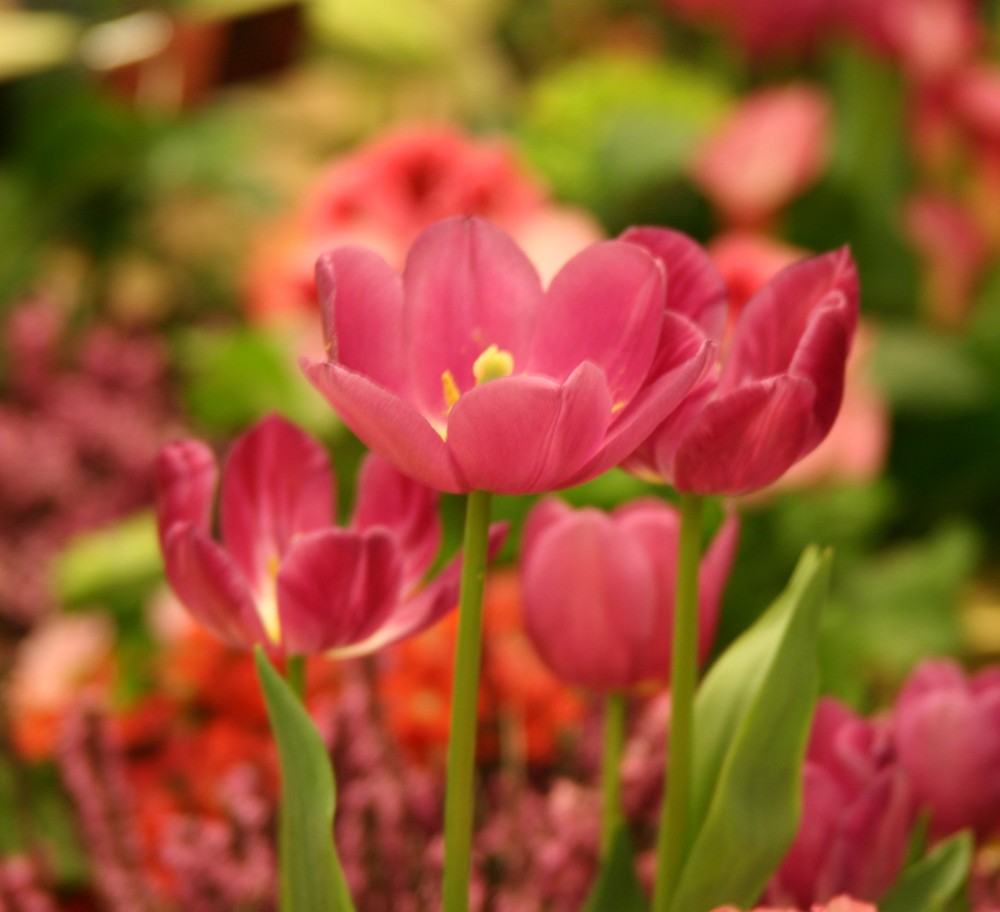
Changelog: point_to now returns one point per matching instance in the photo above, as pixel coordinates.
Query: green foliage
(612, 133)
(752, 718)
(311, 877)
(934, 882)
(617, 888)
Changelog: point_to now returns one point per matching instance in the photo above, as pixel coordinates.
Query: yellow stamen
(493, 364)
(451, 390)
(267, 604)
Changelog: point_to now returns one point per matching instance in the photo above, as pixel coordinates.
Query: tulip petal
(361, 301)
(387, 424)
(745, 440)
(186, 475)
(467, 286)
(655, 403)
(605, 306)
(276, 484)
(521, 435)
(389, 499)
(544, 514)
(336, 588)
(589, 601)
(425, 608)
(211, 586)
(694, 286)
(774, 321)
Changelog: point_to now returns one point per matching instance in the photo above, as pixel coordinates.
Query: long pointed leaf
(311, 876)
(617, 888)
(930, 884)
(752, 719)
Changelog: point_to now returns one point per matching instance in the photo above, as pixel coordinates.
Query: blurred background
(169, 173)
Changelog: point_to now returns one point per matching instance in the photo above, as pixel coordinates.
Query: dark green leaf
(930, 884)
(617, 888)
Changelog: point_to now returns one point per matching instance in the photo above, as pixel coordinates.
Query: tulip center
(492, 364)
(268, 602)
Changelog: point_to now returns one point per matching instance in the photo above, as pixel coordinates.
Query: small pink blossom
(284, 576)
(598, 590)
(466, 375)
(771, 148)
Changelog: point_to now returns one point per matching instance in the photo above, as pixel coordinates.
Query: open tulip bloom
(466, 375)
(284, 576)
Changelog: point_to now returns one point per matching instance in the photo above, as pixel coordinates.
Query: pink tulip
(284, 577)
(856, 815)
(466, 375)
(598, 590)
(778, 391)
(770, 149)
(946, 729)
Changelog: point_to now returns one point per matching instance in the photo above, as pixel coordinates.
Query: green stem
(295, 675)
(671, 842)
(611, 783)
(458, 805)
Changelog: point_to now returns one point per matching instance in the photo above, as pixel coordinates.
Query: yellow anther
(451, 390)
(493, 364)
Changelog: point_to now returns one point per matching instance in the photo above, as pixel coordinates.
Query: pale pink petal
(425, 608)
(694, 286)
(389, 499)
(276, 484)
(606, 306)
(545, 513)
(775, 319)
(467, 286)
(186, 475)
(580, 579)
(361, 300)
(336, 588)
(522, 435)
(387, 424)
(211, 586)
(747, 439)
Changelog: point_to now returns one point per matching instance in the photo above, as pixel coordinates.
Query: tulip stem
(295, 675)
(615, 709)
(459, 801)
(672, 839)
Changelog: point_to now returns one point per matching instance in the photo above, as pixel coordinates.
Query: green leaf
(617, 888)
(752, 720)
(311, 876)
(930, 884)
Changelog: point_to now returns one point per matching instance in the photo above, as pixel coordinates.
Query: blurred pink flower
(954, 251)
(946, 730)
(284, 577)
(598, 590)
(385, 193)
(770, 149)
(779, 388)
(466, 375)
(856, 814)
(840, 904)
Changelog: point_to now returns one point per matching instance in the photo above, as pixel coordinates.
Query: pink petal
(467, 286)
(361, 300)
(336, 588)
(186, 475)
(388, 425)
(772, 325)
(210, 586)
(545, 513)
(606, 306)
(590, 601)
(276, 484)
(522, 435)
(656, 402)
(408, 509)
(425, 608)
(822, 358)
(745, 440)
(694, 286)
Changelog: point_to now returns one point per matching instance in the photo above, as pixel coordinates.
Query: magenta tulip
(598, 590)
(856, 815)
(778, 390)
(946, 729)
(466, 375)
(284, 576)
